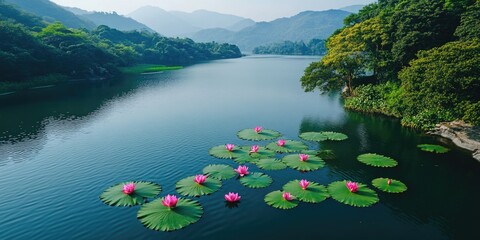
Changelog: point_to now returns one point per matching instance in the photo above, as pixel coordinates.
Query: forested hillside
(32, 49)
(313, 47)
(418, 60)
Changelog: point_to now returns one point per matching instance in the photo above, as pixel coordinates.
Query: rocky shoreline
(463, 135)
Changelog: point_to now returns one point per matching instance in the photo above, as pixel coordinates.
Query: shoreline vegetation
(418, 61)
(35, 53)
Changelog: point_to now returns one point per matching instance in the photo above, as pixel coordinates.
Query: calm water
(61, 147)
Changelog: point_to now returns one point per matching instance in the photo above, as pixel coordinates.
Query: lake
(61, 147)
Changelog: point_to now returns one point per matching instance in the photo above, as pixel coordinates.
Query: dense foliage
(314, 47)
(31, 49)
(413, 59)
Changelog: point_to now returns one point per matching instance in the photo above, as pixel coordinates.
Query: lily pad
(335, 136)
(314, 193)
(188, 187)
(310, 152)
(261, 153)
(222, 152)
(364, 197)
(219, 171)
(313, 136)
(256, 180)
(156, 216)
(245, 158)
(394, 187)
(271, 164)
(114, 195)
(265, 134)
(313, 162)
(322, 136)
(289, 147)
(433, 148)
(276, 200)
(377, 160)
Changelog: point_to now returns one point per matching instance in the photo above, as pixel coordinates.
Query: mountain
(207, 19)
(77, 11)
(51, 12)
(301, 27)
(162, 21)
(352, 8)
(113, 20)
(180, 24)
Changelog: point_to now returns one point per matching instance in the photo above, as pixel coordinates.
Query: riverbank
(461, 134)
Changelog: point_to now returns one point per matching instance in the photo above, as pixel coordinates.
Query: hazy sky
(259, 10)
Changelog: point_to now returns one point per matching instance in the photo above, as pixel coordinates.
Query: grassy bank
(40, 81)
(148, 68)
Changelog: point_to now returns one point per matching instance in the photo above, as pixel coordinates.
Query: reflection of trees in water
(28, 117)
(441, 187)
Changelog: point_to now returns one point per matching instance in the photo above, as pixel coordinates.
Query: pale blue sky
(258, 10)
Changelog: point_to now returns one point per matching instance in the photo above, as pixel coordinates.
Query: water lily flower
(303, 157)
(304, 184)
(170, 201)
(287, 196)
(129, 188)
(229, 147)
(232, 197)
(352, 186)
(281, 142)
(242, 170)
(254, 149)
(258, 129)
(389, 181)
(200, 179)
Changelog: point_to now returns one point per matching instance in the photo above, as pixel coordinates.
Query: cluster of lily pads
(172, 213)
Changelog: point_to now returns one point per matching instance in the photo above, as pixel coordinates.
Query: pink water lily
(281, 142)
(232, 197)
(170, 201)
(287, 196)
(229, 147)
(352, 186)
(258, 129)
(200, 179)
(304, 184)
(128, 188)
(254, 149)
(242, 170)
(389, 181)
(303, 157)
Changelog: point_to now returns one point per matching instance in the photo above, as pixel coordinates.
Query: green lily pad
(313, 136)
(261, 153)
(256, 180)
(364, 197)
(310, 152)
(394, 187)
(265, 134)
(433, 148)
(335, 136)
(313, 162)
(245, 158)
(322, 136)
(222, 152)
(377, 160)
(114, 195)
(276, 200)
(188, 187)
(271, 164)
(156, 216)
(219, 171)
(289, 147)
(314, 193)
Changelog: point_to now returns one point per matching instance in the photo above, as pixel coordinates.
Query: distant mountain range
(51, 12)
(176, 23)
(304, 26)
(352, 8)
